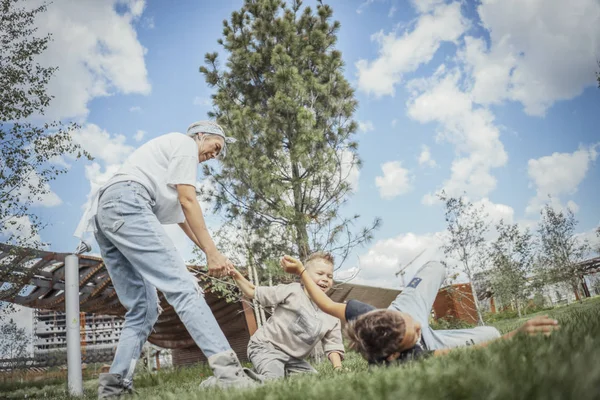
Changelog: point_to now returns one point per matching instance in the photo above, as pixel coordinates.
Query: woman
(155, 186)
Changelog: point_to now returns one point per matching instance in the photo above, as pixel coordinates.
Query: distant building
(99, 337)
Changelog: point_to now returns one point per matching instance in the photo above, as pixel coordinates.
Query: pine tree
(284, 98)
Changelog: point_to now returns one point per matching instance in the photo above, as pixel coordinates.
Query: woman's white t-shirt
(159, 165)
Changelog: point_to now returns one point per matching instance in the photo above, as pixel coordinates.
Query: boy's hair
(376, 334)
(320, 255)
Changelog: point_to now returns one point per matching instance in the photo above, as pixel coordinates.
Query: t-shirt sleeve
(355, 308)
(269, 296)
(183, 161)
(332, 341)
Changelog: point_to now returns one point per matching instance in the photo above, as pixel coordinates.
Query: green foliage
(561, 250)
(465, 243)
(26, 149)
(512, 256)
(284, 98)
(561, 366)
(13, 344)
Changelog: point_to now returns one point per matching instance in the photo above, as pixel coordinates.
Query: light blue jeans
(140, 258)
(417, 300)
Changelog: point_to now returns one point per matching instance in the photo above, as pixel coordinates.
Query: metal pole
(75, 381)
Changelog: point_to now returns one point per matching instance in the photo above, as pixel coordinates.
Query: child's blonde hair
(320, 255)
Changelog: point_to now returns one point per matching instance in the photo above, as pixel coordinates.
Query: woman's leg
(126, 219)
(141, 302)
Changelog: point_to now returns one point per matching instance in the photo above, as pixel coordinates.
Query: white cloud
(135, 109)
(363, 5)
(366, 126)
(102, 145)
(385, 258)
(19, 227)
(202, 101)
(426, 5)
(540, 52)
(97, 50)
(495, 211)
(425, 157)
(136, 6)
(50, 199)
(60, 161)
(139, 135)
(349, 169)
(395, 180)
(148, 22)
(392, 11)
(401, 54)
(558, 175)
(470, 128)
(394, 122)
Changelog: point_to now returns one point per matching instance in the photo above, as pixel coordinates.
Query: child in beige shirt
(279, 347)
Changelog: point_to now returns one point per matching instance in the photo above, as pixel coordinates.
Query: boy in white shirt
(279, 348)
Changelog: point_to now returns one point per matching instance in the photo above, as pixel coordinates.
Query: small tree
(512, 256)
(561, 251)
(13, 344)
(26, 149)
(284, 97)
(466, 239)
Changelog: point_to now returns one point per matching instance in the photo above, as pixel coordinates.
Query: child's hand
(539, 324)
(291, 265)
(234, 273)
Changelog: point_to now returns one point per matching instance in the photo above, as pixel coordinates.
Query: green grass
(563, 366)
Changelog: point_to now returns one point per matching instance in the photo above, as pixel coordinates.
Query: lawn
(563, 366)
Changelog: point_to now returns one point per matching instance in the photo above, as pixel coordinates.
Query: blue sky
(498, 100)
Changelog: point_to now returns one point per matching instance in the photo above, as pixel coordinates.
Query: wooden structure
(35, 279)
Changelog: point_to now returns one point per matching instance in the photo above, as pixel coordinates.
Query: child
(401, 332)
(279, 347)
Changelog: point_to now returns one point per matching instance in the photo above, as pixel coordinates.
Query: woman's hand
(291, 265)
(218, 264)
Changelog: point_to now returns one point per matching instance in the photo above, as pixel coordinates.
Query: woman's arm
(185, 227)
(293, 266)
(245, 286)
(217, 263)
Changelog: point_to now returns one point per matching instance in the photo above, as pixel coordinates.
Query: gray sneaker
(228, 372)
(111, 386)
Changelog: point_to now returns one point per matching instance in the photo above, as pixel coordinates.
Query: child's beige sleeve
(332, 341)
(269, 296)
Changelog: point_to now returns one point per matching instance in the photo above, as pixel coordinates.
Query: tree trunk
(477, 308)
(299, 217)
(518, 307)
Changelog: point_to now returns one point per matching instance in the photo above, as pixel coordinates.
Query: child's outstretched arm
(293, 266)
(247, 288)
(336, 360)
